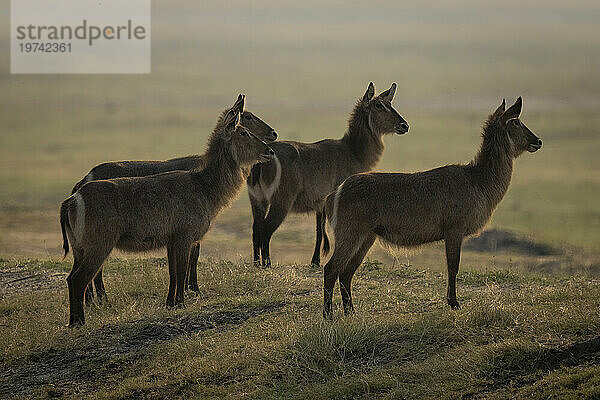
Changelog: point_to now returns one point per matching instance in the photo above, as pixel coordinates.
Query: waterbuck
(172, 209)
(121, 169)
(447, 203)
(302, 174)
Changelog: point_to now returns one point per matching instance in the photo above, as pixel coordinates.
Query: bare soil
(21, 279)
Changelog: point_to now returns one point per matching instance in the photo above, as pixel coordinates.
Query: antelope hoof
(75, 321)
(328, 315)
(88, 298)
(315, 263)
(194, 288)
(454, 304)
(179, 304)
(103, 300)
(170, 303)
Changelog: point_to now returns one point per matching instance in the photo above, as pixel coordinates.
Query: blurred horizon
(302, 66)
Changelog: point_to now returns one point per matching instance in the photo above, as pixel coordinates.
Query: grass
(254, 333)
(258, 333)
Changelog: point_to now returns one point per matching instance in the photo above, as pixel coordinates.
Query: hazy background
(302, 65)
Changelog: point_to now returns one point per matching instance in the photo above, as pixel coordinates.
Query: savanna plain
(529, 326)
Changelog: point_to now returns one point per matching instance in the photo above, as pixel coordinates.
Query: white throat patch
(263, 191)
(269, 189)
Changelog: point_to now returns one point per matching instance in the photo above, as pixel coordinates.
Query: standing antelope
(122, 169)
(446, 203)
(172, 209)
(302, 174)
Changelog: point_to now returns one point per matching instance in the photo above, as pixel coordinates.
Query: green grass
(258, 333)
(253, 333)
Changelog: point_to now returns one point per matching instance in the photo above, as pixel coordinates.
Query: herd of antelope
(143, 205)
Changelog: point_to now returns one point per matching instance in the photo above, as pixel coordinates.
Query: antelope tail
(64, 223)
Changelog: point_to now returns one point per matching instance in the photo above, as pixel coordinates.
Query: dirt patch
(20, 279)
(496, 240)
(109, 351)
(573, 354)
(545, 359)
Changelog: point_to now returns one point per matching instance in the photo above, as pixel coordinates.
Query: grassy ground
(529, 322)
(258, 333)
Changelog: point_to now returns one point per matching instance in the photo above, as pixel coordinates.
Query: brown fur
(304, 173)
(172, 209)
(122, 169)
(447, 203)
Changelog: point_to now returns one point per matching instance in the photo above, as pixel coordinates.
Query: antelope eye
(379, 106)
(515, 122)
(244, 133)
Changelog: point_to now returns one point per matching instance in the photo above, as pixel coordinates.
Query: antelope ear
(232, 120)
(500, 110)
(388, 95)
(514, 111)
(240, 103)
(370, 92)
